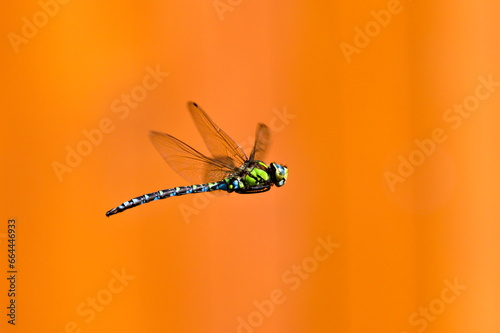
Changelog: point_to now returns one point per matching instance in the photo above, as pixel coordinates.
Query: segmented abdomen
(171, 192)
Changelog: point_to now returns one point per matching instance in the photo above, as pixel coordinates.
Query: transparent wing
(187, 161)
(262, 140)
(220, 145)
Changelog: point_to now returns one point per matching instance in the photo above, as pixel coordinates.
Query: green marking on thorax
(261, 173)
(256, 176)
(250, 180)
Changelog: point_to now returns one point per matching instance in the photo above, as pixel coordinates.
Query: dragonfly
(227, 169)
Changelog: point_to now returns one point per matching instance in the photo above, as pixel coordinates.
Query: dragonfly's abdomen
(218, 186)
(171, 192)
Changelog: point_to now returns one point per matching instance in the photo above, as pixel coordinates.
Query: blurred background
(385, 112)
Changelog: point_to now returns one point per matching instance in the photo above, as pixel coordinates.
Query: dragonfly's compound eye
(279, 174)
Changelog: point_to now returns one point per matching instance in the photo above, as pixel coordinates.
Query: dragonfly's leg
(254, 189)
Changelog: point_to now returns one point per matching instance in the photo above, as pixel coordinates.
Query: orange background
(351, 120)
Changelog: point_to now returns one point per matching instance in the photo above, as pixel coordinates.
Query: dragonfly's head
(279, 174)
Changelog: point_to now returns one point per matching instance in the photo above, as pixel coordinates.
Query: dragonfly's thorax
(250, 175)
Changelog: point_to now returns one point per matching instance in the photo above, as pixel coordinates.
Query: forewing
(187, 161)
(262, 140)
(220, 145)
